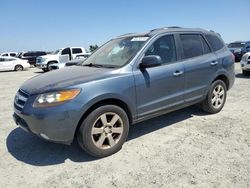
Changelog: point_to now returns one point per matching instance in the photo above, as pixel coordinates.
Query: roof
(167, 29)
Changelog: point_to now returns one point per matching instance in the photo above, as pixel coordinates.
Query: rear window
(192, 45)
(215, 42)
(76, 50)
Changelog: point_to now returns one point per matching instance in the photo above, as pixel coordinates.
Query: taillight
(233, 57)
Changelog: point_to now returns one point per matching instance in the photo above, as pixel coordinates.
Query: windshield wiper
(98, 65)
(92, 65)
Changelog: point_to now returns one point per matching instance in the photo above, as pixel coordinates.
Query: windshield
(117, 52)
(57, 51)
(236, 45)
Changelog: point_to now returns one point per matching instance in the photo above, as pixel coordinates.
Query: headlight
(55, 98)
(43, 59)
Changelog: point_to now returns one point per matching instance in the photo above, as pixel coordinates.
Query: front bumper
(56, 124)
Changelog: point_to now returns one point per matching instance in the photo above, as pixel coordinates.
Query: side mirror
(150, 61)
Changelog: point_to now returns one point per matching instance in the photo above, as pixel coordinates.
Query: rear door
(160, 88)
(76, 52)
(200, 63)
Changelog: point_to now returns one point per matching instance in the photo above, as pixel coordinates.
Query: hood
(62, 78)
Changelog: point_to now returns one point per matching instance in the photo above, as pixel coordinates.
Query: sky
(52, 24)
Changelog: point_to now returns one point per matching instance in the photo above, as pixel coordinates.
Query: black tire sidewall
(210, 93)
(84, 134)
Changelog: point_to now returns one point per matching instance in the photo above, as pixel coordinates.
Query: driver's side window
(165, 48)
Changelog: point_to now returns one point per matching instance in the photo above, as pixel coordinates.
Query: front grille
(20, 99)
(38, 60)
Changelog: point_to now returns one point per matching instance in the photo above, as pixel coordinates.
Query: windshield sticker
(139, 39)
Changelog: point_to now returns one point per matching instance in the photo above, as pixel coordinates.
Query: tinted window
(12, 54)
(165, 48)
(192, 45)
(5, 55)
(76, 50)
(66, 51)
(215, 42)
(206, 48)
(26, 54)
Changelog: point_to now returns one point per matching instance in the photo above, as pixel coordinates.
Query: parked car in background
(31, 56)
(245, 63)
(9, 54)
(76, 61)
(239, 48)
(129, 79)
(62, 55)
(13, 63)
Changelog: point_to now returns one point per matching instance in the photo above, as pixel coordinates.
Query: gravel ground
(186, 148)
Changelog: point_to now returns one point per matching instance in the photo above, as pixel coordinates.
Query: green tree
(92, 48)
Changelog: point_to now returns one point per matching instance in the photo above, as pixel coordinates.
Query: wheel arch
(18, 65)
(224, 78)
(108, 101)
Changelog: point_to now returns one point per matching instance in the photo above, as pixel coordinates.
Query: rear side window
(5, 55)
(76, 50)
(192, 45)
(215, 42)
(206, 48)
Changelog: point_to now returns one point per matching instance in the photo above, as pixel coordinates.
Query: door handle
(213, 63)
(178, 73)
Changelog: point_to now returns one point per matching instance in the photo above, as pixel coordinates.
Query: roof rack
(171, 27)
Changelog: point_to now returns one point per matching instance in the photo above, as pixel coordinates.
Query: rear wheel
(104, 131)
(18, 68)
(216, 97)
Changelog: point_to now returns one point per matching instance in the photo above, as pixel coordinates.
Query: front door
(65, 55)
(160, 88)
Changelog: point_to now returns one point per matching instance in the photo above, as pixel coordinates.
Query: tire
(215, 98)
(18, 68)
(99, 136)
(245, 73)
(44, 69)
(49, 63)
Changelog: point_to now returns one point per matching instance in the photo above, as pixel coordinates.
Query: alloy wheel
(107, 130)
(218, 96)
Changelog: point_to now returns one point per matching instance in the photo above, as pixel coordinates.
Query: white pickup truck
(62, 55)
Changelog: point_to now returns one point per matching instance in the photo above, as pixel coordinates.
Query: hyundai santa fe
(129, 79)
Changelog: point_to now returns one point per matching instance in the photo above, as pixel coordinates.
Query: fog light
(44, 136)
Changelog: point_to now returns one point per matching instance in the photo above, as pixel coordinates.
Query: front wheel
(216, 97)
(104, 131)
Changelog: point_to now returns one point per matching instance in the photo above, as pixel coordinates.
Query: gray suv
(129, 79)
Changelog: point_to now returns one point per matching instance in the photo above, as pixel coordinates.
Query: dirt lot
(187, 148)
